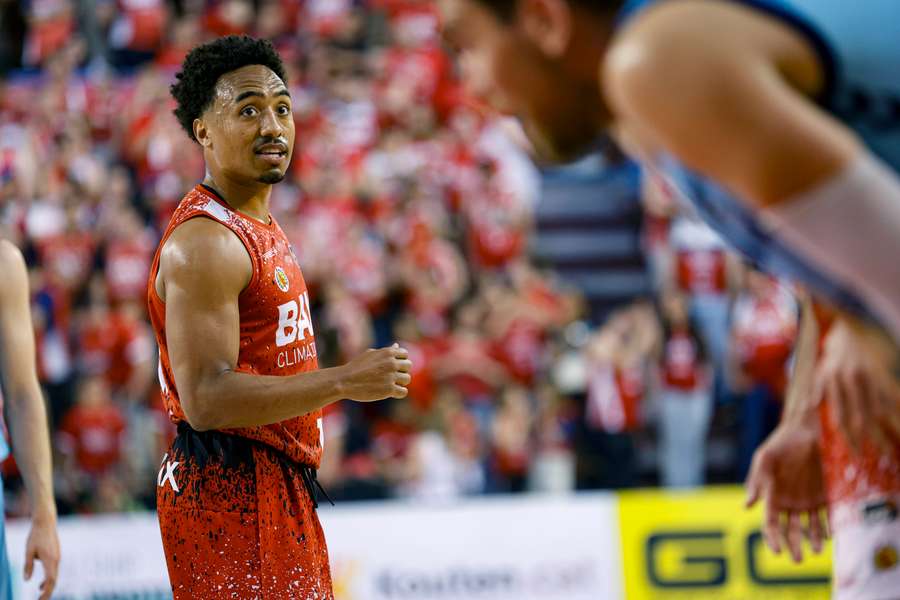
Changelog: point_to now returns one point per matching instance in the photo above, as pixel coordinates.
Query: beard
(271, 177)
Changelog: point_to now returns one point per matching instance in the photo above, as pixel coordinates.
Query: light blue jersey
(858, 45)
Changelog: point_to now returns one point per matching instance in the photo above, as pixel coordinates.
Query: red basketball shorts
(238, 522)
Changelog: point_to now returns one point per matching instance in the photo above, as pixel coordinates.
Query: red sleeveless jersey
(275, 322)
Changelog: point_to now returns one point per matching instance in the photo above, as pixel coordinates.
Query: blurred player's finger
(51, 569)
(29, 563)
(772, 525)
(399, 352)
(403, 379)
(760, 476)
(794, 533)
(853, 390)
(819, 388)
(887, 410)
(835, 401)
(403, 365)
(47, 589)
(817, 531)
(892, 423)
(869, 418)
(399, 392)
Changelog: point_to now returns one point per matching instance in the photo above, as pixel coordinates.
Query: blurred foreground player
(27, 420)
(236, 492)
(779, 120)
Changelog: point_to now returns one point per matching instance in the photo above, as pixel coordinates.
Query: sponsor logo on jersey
(880, 512)
(167, 473)
(294, 321)
(281, 279)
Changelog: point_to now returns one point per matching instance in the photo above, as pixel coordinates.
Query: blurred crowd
(410, 211)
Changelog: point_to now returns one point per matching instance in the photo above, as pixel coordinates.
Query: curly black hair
(195, 87)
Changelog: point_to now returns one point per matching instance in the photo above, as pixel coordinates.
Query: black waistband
(203, 448)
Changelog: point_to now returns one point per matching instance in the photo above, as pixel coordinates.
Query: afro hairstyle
(195, 87)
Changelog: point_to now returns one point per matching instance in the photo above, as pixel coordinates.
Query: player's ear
(201, 133)
(547, 23)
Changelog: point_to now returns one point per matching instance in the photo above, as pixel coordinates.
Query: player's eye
(284, 110)
(248, 111)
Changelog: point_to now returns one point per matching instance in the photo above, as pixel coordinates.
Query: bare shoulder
(678, 51)
(203, 253)
(12, 265)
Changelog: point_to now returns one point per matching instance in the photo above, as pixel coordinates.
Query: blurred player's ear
(548, 24)
(201, 133)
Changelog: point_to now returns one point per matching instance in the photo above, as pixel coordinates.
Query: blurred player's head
(538, 60)
(233, 100)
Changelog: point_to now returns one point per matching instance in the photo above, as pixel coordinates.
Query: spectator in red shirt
(685, 398)
(616, 364)
(117, 345)
(126, 257)
(91, 437)
(511, 440)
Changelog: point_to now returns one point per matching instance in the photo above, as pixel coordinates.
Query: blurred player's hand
(43, 545)
(786, 475)
(855, 377)
(377, 374)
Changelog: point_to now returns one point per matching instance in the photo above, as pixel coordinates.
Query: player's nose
(270, 125)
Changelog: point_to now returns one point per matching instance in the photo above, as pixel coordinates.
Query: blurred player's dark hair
(194, 89)
(507, 8)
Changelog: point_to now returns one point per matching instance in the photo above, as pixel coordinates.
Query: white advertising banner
(524, 548)
(110, 557)
(531, 548)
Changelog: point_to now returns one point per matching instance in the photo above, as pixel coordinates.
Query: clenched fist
(377, 374)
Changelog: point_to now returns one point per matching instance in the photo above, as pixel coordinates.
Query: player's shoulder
(684, 47)
(14, 289)
(202, 249)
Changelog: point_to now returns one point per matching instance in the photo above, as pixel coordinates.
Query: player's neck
(251, 200)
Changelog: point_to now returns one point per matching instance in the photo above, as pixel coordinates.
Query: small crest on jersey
(886, 557)
(281, 279)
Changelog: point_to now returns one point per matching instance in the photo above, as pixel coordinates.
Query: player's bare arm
(786, 473)
(26, 415)
(203, 270)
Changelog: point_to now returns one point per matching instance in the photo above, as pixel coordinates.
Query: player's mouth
(273, 154)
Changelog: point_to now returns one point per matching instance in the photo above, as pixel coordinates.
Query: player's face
(249, 129)
(517, 69)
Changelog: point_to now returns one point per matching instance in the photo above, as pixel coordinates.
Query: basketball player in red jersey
(237, 490)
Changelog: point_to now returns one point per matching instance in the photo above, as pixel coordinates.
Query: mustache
(278, 142)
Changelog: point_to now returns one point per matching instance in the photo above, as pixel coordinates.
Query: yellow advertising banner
(704, 545)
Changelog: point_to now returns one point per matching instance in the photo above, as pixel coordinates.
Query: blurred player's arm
(26, 414)
(203, 269)
(742, 115)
